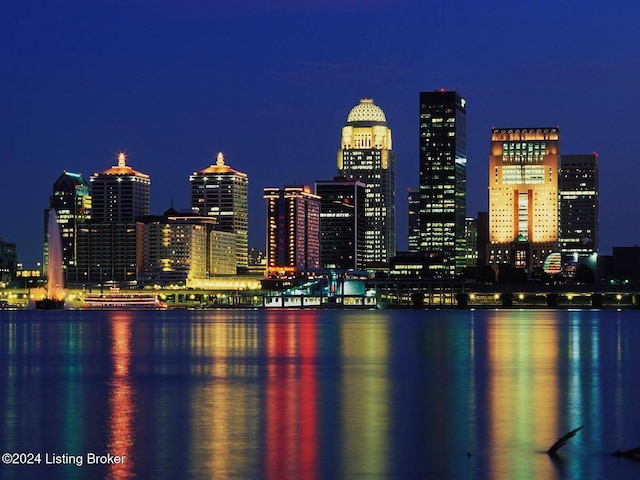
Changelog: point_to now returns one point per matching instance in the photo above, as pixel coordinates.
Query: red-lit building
(293, 230)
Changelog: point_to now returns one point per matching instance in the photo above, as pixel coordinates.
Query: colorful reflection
(365, 395)
(121, 401)
(316, 394)
(522, 394)
(224, 408)
(522, 391)
(291, 402)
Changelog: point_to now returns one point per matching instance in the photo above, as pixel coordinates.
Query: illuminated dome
(366, 111)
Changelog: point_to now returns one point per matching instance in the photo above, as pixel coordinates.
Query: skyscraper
(119, 193)
(413, 197)
(71, 199)
(221, 192)
(342, 223)
(578, 186)
(366, 155)
(443, 180)
(523, 196)
(108, 245)
(293, 230)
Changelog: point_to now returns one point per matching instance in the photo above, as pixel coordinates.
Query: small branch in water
(632, 453)
(563, 440)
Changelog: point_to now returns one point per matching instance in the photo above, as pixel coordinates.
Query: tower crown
(121, 169)
(366, 111)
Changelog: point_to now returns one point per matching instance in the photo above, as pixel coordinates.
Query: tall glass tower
(342, 223)
(366, 155)
(443, 181)
(71, 199)
(578, 192)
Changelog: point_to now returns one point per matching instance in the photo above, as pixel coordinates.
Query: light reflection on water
(322, 394)
(121, 402)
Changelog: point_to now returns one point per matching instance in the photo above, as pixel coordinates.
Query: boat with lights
(118, 300)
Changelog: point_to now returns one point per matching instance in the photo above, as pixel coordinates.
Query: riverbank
(398, 296)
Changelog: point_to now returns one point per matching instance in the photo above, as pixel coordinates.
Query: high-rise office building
(109, 246)
(293, 230)
(7, 262)
(578, 186)
(413, 197)
(366, 155)
(71, 199)
(471, 236)
(119, 193)
(443, 180)
(220, 192)
(523, 196)
(342, 223)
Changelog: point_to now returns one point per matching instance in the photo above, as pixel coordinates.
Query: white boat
(118, 300)
(314, 301)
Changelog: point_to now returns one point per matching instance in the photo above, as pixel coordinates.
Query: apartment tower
(220, 192)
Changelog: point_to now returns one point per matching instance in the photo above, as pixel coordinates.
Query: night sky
(270, 84)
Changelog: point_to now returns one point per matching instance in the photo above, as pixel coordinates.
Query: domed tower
(366, 155)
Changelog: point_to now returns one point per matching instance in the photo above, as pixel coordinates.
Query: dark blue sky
(270, 84)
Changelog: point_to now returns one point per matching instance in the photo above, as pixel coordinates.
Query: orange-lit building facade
(523, 196)
(293, 230)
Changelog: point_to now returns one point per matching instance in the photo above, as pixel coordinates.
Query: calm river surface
(314, 395)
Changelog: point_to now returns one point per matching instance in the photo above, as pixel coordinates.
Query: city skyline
(88, 81)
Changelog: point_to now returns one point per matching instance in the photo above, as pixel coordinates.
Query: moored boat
(118, 300)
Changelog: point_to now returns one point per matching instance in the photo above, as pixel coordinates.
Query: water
(55, 275)
(243, 394)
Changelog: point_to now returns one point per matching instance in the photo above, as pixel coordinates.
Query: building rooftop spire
(122, 168)
(219, 167)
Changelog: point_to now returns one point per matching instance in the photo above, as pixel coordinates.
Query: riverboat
(311, 301)
(118, 300)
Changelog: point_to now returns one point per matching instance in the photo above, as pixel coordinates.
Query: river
(312, 394)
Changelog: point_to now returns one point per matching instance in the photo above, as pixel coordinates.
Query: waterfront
(308, 394)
